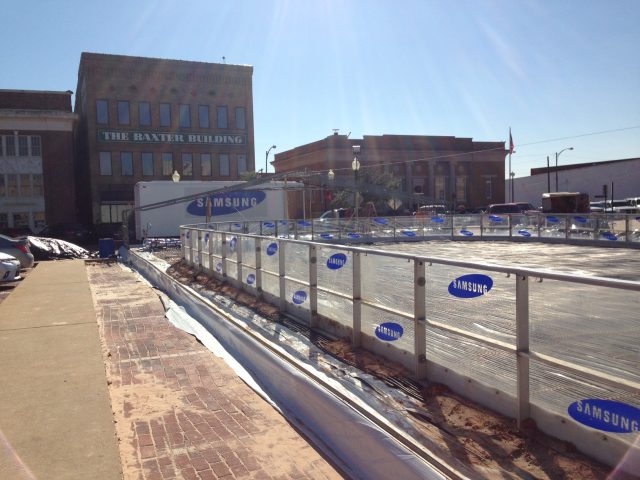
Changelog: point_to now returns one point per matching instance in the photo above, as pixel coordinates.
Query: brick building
(36, 160)
(141, 119)
(458, 172)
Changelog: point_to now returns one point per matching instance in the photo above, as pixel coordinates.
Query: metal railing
(575, 228)
(397, 304)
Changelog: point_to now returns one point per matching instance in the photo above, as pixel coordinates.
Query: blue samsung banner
(226, 203)
(470, 286)
(606, 415)
(389, 331)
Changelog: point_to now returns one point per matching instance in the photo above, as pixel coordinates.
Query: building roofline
(109, 56)
(48, 92)
(575, 166)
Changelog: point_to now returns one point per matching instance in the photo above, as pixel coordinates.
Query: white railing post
(357, 301)
(239, 259)
(522, 348)
(281, 273)
(210, 239)
(313, 286)
(258, 254)
(183, 238)
(223, 260)
(419, 319)
(626, 228)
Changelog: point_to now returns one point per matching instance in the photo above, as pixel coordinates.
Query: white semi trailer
(266, 201)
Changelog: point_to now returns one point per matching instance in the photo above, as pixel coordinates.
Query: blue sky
(547, 69)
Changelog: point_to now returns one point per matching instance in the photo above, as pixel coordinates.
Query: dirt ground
(482, 441)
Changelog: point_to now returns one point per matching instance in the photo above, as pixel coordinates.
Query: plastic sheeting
(360, 447)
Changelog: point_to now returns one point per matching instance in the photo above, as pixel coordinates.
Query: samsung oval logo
(326, 236)
(609, 236)
(299, 297)
(206, 238)
(580, 219)
(552, 219)
(226, 203)
(269, 224)
(606, 415)
(188, 234)
(381, 221)
(389, 331)
(524, 233)
(336, 261)
(353, 235)
(251, 279)
(304, 223)
(437, 220)
(466, 233)
(237, 225)
(233, 243)
(272, 249)
(495, 218)
(408, 233)
(470, 286)
(219, 267)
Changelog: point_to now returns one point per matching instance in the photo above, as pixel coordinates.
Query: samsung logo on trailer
(466, 233)
(251, 279)
(524, 233)
(299, 297)
(336, 261)
(606, 415)
(272, 249)
(226, 203)
(470, 286)
(389, 331)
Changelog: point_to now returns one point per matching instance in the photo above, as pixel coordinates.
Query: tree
(373, 185)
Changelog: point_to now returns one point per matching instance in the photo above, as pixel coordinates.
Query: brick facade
(457, 172)
(208, 133)
(36, 160)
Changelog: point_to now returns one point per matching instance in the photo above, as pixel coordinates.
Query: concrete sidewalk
(55, 414)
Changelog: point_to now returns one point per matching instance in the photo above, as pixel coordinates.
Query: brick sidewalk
(180, 411)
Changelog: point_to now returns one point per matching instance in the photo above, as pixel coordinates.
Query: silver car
(18, 248)
(9, 268)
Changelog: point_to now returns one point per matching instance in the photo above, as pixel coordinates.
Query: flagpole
(509, 172)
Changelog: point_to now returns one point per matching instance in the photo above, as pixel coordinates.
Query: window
(167, 163)
(12, 185)
(242, 164)
(187, 164)
(185, 116)
(203, 116)
(38, 221)
(102, 112)
(10, 142)
(112, 212)
(1, 144)
(144, 114)
(36, 150)
(36, 183)
(240, 118)
(25, 185)
(3, 186)
(441, 182)
(126, 164)
(4, 220)
(23, 146)
(165, 115)
(205, 164)
(222, 117)
(461, 188)
(224, 165)
(123, 113)
(147, 164)
(487, 189)
(105, 163)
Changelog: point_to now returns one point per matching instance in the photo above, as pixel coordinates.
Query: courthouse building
(36, 160)
(457, 172)
(143, 119)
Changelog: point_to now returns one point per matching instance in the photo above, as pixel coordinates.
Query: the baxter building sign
(168, 137)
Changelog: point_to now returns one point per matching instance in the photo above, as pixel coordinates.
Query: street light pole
(266, 158)
(355, 166)
(557, 155)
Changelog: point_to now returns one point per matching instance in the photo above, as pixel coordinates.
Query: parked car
(18, 248)
(9, 268)
(334, 214)
(503, 208)
(69, 232)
